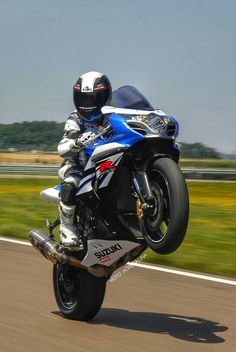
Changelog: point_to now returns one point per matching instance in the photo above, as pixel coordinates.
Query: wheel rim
(67, 285)
(156, 224)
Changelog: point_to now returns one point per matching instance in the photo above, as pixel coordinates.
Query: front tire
(165, 226)
(79, 295)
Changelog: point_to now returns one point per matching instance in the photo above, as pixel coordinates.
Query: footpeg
(73, 248)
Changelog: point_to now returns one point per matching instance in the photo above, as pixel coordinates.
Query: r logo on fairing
(106, 166)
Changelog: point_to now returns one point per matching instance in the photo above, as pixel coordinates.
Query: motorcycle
(132, 196)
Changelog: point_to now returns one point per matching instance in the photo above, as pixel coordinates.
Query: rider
(90, 94)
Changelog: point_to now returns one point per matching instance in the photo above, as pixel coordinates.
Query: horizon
(221, 153)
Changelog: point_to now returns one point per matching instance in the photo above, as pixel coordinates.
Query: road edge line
(185, 273)
(24, 243)
(151, 267)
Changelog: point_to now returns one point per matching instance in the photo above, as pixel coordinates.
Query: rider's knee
(68, 193)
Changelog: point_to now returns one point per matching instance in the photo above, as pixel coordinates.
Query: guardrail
(29, 169)
(222, 175)
(226, 175)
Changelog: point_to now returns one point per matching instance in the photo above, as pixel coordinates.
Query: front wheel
(165, 225)
(79, 295)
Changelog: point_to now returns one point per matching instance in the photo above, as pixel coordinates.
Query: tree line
(45, 135)
(35, 135)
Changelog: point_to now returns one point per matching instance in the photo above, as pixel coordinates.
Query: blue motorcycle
(132, 196)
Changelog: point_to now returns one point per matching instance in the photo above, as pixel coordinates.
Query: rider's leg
(67, 211)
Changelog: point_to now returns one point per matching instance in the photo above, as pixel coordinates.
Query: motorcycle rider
(90, 93)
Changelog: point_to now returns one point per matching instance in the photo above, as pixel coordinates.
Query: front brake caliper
(139, 210)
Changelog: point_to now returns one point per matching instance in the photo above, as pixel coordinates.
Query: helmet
(90, 94)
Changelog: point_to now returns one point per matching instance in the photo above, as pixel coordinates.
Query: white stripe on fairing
(111, 147)
(86, 178)
(85, 187)
(123, 111)
(99, 150)
(152, 267)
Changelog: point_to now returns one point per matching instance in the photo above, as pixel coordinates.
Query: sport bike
(132, 196)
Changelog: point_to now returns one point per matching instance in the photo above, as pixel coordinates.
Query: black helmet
(90, 94)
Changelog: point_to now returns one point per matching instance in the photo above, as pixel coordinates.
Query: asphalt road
(144, 310)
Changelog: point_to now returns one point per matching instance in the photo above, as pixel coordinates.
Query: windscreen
(129, 97)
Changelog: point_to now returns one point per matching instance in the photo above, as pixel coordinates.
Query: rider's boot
(67, 226)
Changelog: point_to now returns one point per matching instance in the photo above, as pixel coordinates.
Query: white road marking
(24, 243)
(152, 267)
(185, 273)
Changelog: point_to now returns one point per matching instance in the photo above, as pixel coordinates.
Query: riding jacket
(75, 127)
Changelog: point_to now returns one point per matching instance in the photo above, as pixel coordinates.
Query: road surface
(144, 310)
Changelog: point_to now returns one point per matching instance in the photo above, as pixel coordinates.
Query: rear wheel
(79, 295)
(165, 225)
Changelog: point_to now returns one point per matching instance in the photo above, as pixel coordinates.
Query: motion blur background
(180, 54)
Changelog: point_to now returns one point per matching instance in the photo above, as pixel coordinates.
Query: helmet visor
(87, 103)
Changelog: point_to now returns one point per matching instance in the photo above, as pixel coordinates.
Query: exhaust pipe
(49, 248)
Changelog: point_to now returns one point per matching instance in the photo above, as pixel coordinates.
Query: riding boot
(67, 227)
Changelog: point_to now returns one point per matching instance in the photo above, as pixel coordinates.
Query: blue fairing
(123, 134)
(128, 97)
(176, 124)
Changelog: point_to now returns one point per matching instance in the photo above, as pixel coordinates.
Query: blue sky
(181, 54)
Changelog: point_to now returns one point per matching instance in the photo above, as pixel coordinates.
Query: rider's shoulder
(73, 121)
(74, 116)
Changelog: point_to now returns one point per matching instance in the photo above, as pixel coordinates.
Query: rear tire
(79, 295)
(164, 229)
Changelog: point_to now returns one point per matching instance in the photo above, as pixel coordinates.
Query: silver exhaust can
(46, 245)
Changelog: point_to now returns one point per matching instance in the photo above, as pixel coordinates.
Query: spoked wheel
(79, 295)
(165, 224)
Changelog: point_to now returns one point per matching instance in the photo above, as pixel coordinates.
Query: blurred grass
(208, 164)
(210, 242)
(53, 158)
(21, 208)
(209, 246)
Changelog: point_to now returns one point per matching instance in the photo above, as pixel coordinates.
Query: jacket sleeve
(66, 147)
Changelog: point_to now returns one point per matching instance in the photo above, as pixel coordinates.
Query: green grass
(209, 246)
(210, 242)
(22, 209)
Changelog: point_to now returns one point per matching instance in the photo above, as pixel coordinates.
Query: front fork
(146, 201)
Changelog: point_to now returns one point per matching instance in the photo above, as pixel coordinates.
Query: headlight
(141, 118)
(161, 125)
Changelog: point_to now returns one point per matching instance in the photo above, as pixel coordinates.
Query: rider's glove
(84, 140)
